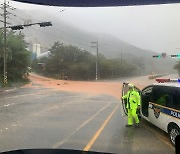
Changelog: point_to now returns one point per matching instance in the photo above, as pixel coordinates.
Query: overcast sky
(156, 27)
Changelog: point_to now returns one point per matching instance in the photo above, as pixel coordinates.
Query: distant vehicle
(160, 105)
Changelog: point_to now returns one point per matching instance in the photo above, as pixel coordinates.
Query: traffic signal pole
(17, 27)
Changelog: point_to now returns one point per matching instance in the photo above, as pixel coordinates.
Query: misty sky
(155, 27)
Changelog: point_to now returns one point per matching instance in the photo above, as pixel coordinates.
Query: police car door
(124, 101)
(146, 99)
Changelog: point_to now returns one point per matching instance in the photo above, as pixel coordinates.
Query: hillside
(110, 46)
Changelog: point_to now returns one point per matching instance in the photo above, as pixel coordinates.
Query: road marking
(20, 95)
(7, 105)
(94, 138)
(43, 91)
(64, 104)
(82, 125)
(11, 89)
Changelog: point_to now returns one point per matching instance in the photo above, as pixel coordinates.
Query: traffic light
(17, 27)
(162, 55)
(177, 55)
(44, 24)
(156, 56)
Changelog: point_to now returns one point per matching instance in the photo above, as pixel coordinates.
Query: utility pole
(5, 63)
(16, 27)
(97, 46)
(97, 52)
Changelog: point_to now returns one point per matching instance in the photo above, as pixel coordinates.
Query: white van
(160, 105)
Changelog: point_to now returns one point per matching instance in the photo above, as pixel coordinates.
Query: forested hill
(111, 46)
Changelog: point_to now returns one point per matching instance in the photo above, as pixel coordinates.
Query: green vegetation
(77, 64)
(18, 58)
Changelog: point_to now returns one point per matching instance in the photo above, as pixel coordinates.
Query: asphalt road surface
(40, 117)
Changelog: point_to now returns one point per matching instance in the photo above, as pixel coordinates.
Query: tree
(18, 58)
(70, 61)
(78, 64)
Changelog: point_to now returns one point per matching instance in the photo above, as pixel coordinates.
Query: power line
(55, 35)
(16, 20)
(6, 22)
(47, 32)
(25, 14)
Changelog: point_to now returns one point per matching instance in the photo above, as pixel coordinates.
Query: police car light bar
(174, 80)
(162, 80)
(167, 80)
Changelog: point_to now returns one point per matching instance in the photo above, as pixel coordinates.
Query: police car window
(175, 104)
(146, 98)
(167, 96)
(159, 95)
(147, 91)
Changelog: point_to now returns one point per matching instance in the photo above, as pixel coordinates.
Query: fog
(155, 27)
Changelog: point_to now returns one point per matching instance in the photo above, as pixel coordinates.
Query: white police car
(160, 105)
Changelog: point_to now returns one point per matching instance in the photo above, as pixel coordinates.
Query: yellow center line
(81, 126)
(96, 135)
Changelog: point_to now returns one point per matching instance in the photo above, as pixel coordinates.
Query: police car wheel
(173, 132)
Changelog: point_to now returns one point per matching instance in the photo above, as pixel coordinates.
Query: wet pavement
(41, 117)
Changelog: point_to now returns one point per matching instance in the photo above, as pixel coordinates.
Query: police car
(160, 105)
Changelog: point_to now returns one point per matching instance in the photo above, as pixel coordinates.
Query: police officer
(133, 103)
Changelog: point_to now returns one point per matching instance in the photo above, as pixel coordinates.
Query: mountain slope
(109, 45)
